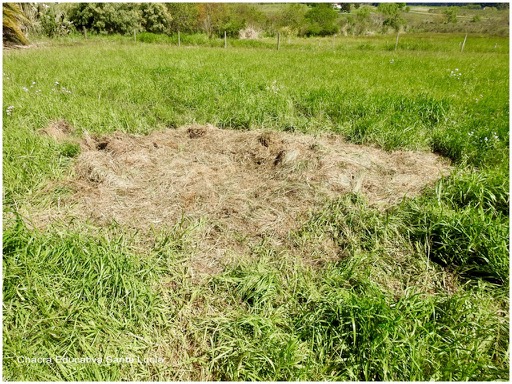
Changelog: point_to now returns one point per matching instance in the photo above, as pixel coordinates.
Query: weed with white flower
(274, 87)
(455, 74)
(59, 88)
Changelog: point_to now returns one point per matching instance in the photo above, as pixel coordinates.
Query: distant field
(432, 19)
(362, 284)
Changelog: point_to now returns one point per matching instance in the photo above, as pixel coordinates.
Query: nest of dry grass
(241, 186)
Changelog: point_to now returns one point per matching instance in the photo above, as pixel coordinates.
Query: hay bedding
(241, 185)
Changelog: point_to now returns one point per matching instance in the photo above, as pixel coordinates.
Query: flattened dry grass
(239, 187)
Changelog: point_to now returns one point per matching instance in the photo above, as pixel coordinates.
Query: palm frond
(13, 20)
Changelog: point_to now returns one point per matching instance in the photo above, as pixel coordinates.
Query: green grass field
(419, 292)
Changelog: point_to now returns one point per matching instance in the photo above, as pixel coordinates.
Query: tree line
(213, 19)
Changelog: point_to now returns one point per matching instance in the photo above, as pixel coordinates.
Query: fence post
(179, 39)
(135, 35)
(397, 37)
(278, 40)
(464, 43)
(225, 40)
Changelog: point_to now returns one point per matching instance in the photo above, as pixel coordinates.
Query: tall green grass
(419, 291)
(381, 313)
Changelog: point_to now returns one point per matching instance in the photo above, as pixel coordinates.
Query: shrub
(106, 18)
(321, 21)
(291, 18)
(391, 12)
(54, 22)
(450, 15)
(184, 17)
(155, 17)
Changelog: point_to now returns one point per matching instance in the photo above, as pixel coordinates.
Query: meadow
(419, 290)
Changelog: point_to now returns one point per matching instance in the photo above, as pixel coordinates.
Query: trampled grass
(419, 291)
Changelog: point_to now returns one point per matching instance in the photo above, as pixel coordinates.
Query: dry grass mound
(59, 130)
(238, 186)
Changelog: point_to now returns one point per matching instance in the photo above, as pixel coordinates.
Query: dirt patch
(239, 187)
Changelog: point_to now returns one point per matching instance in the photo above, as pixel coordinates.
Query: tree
(210, 17)
(185, 17)
(217, 18)
(321, 20)
(232, 20)
(499, 6)
(359, 21)
(291, 17)
(345, 7)
(106, 18)
(248, 14)
(13, 21)
(155, 17)
(392, 15)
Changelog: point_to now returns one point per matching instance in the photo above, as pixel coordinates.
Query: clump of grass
(366, 336)
(148, 37)
(256, 347)
(253, 287)
(357, 319)
(74, 294)
(339, 325)
(487, 189)
(69, 149)
(465, 224)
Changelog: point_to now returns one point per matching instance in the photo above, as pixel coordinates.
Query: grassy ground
(420, 291)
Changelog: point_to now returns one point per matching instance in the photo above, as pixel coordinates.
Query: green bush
(148, 37)
(195, 39)
(155, 17)
(392, 17)
(54, 22)
(321, 21)
(106, 18)
(450, 14)
(185, 17)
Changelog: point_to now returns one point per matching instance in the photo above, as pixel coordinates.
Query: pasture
(336, 209)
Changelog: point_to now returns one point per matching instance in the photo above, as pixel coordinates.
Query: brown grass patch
(59, 130)
(238, 187)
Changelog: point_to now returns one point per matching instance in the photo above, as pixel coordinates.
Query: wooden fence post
(179, 39)
(464, 43)
(225, 40)
(278, 40)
